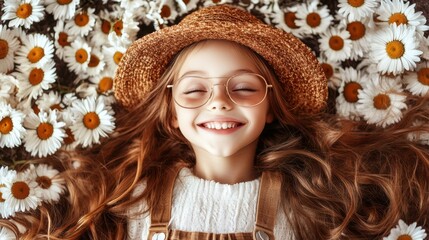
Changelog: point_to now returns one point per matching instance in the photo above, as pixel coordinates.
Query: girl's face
(220, 127)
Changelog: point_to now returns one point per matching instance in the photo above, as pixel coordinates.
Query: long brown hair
(340, 179)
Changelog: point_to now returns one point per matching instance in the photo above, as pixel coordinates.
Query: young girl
(222, 136)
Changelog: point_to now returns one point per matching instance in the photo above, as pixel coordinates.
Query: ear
(270, 117)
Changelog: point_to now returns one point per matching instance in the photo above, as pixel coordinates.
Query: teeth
(220, 125)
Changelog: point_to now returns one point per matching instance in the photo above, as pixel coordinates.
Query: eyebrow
(199, 72)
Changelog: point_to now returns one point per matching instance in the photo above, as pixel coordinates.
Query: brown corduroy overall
(268, 202)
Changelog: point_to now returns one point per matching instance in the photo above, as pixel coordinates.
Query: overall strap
(160, 214)
(268, 205)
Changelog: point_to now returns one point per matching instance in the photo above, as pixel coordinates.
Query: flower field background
(58, 58)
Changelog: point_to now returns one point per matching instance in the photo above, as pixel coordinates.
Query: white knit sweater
(200, 205)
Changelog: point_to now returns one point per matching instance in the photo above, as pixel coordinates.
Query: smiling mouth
(221, 125)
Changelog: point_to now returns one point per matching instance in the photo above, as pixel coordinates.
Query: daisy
(8, 87)
(332, 71)
(404, 231)
(285, 19)
(419, 136)
(424, 46)
(417, 82)
(359, 37)
(335, 44)
(101, 30)
(68, 99)
(401, 13)
(8, 46)
(33, 81)
(7, 234)
(92, 121)
(394, 49)
(70, 142)
(22, 12)
(51, 100)
(36, 50)
(6, 177)
(63, 38)
(44, 133)
(215, 2)
(113, 54)
(61, 9)
(21, 193)
(188, 4)
(313, 19)
(50, 183)
(82, 23)
(11, 130)
(77, 56)
(356, 9)
(96, 63)
(131, 4)
(381, 101)
(126, 27)
(103, 82)
(347, 99)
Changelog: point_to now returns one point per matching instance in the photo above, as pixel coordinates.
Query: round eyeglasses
(244, 89)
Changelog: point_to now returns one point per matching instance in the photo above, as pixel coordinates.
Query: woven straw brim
(302, 78)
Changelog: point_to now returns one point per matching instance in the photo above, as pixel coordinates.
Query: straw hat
(296, 68)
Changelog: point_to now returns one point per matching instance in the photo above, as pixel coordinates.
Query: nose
(219, 99)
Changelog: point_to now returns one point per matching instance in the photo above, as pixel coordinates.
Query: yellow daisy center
(313, 19)
(381, 101)
(56, 106)
(24, 10)
(1, 197)
(423, 76)
(93, 61)
(70, 137)
(336, 43)
(355, 3)
(45, 131)
(395, 49)
(4, 48)
(328, 69)
(62, 39)
(105, 26)
(20, 190)
(81, 56)
(35, 54)
(289, 19)
(36, 76)
(81, 19)
(165, 11)
(64, 2)
(405, 237)
(117, 27)
(44, 182)
(186, 1)
(105, 84)
(351, 91)
(6, 125)
(398, 18)
(356, 30)
(117, 57)
(91, 120)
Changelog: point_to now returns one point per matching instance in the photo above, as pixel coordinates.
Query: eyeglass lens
(245, 89)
